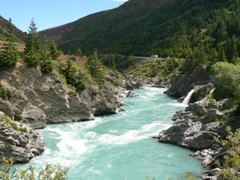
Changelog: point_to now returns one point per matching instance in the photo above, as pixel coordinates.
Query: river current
(120, 147)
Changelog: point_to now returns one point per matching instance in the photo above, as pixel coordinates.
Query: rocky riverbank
(35, 100)
(202, 121)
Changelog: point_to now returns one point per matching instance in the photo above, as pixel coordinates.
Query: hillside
(4, 24)
(144, 27)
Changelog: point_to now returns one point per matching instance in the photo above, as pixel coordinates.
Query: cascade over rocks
(17, 141)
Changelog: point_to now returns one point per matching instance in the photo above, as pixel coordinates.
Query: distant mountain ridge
(144, 27)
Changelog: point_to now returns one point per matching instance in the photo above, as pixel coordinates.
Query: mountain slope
(4, 25)
(144, 27)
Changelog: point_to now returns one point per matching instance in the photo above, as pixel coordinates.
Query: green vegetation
(118, 62)
(49, 172)
(73, 77)
(14, 125)
(156, 68)
(231, 163)
(228, 78)
(54, 51)
(9, 54)
(95, 67)
(33, 52)
(4, 25)
(3, 93)
(208, 30)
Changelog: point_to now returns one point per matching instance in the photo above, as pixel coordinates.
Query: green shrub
(3, 93)
(49, 172)
(46, 66)
(14, 125)
(228, 78)
(231, 161)
(73, 77)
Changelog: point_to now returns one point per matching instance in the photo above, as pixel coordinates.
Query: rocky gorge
(35, 100)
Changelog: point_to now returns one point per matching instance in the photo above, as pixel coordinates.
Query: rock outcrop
(196, 126)
(180, 85)
(17, 141)
(38, 99)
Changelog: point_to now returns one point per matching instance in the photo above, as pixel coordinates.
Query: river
(120, 147)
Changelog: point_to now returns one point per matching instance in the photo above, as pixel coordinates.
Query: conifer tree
(79, 52)
(231, 47)
(94, 66)
(9, 55)
(33, 53)
(54, 52)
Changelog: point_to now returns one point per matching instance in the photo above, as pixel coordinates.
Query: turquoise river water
(120, 147)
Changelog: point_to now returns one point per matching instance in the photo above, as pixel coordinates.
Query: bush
(49, 172)
(231, 161)
(74, 78)
(228, 78)
(3, 93)
(46, 66)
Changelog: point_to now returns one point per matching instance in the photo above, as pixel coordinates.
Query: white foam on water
(109, 165)
(70, 147)
(91, 135)
(113, 131)
(94, 171)
(144, 132)
(178, 104)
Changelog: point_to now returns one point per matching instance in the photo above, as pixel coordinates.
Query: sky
(51, 13)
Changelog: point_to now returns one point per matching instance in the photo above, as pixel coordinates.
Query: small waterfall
(187, 98)
(212, 91)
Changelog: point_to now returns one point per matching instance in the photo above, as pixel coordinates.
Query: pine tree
(231, 47)
(54, 52)
(221, 52)
(10, 54)
(79, 52)
(33, 53)
(94, 66)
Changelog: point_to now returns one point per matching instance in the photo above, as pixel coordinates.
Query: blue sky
(51, 13)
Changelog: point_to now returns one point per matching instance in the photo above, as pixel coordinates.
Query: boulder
(195, 127)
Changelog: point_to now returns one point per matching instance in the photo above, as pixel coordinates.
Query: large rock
(103, 100)
(182, 84)
(195, 127)
(17, 141)
(34, 116)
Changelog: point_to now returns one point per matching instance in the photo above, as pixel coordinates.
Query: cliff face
(37, 99)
